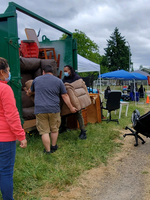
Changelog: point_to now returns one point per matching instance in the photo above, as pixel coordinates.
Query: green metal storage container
(9, 46)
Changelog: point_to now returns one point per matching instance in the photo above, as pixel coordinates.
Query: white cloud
(97, 19)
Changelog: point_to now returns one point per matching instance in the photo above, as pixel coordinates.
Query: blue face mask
(9, 77)
(66, 74)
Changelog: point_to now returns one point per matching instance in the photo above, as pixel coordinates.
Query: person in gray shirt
(48, 89)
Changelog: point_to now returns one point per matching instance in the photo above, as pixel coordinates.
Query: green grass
(144, 172)
(34, 171)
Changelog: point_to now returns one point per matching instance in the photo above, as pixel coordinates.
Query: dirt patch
(127, 176)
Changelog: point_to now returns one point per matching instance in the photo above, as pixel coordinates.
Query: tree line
(117, 53)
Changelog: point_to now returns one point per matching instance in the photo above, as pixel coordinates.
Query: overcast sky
(96, 18)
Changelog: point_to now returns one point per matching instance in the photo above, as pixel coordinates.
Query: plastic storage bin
(29, 49)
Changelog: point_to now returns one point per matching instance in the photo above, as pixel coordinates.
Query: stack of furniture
(46, 52)
(30, 69)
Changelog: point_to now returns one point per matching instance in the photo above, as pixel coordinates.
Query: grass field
(34, 171)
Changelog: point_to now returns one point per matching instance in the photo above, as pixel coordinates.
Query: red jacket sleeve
(11, 112)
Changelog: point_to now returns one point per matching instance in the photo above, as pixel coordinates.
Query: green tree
(103, 61)
(117, 52)
(140, 67)
(86, 48)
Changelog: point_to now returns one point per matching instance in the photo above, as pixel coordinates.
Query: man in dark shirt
(47, 89)
(69, 75)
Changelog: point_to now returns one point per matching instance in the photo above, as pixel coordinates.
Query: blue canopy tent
(123, 75)
(119, 74)
(140, 76)
(142, 72)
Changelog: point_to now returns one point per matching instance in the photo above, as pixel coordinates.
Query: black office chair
(112, 104)
(88, 82)
(140, 124)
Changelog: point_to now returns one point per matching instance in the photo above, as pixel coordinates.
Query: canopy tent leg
(134, 93)
(100, 82)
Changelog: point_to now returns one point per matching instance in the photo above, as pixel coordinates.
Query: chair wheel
(135, 145)
(124, 135)
(143, 142)
(126, 128)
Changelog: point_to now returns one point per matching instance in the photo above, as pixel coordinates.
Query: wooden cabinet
(91, 114)
(94, 110)
(29, 125)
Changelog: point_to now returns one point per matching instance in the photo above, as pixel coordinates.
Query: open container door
(9, 49)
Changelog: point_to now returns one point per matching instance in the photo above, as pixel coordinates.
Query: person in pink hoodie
(10, 131)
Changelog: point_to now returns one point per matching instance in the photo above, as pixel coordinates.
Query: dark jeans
(79, 118)
(7, 160)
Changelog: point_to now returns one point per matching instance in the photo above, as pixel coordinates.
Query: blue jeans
(7, 160)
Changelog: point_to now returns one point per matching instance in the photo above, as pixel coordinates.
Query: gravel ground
(129, 177)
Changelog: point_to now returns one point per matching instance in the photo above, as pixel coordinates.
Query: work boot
(62, 129)
(82, 135)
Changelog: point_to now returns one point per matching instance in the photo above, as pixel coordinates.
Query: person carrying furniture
(10, 131)
(48, 89)
(70, 77)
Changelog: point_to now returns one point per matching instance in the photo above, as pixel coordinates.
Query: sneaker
(46, 152)
(82, 135)
(53, 148)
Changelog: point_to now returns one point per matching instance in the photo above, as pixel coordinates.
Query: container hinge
(13, 42)
(16, 82)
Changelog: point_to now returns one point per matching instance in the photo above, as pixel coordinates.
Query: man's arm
(31, 90)
(67, 101)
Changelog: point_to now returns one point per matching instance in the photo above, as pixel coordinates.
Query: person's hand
(25, 89)
(23, 143)
(73, 109)
(27, 92)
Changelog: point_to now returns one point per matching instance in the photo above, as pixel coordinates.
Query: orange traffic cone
(147, 99)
